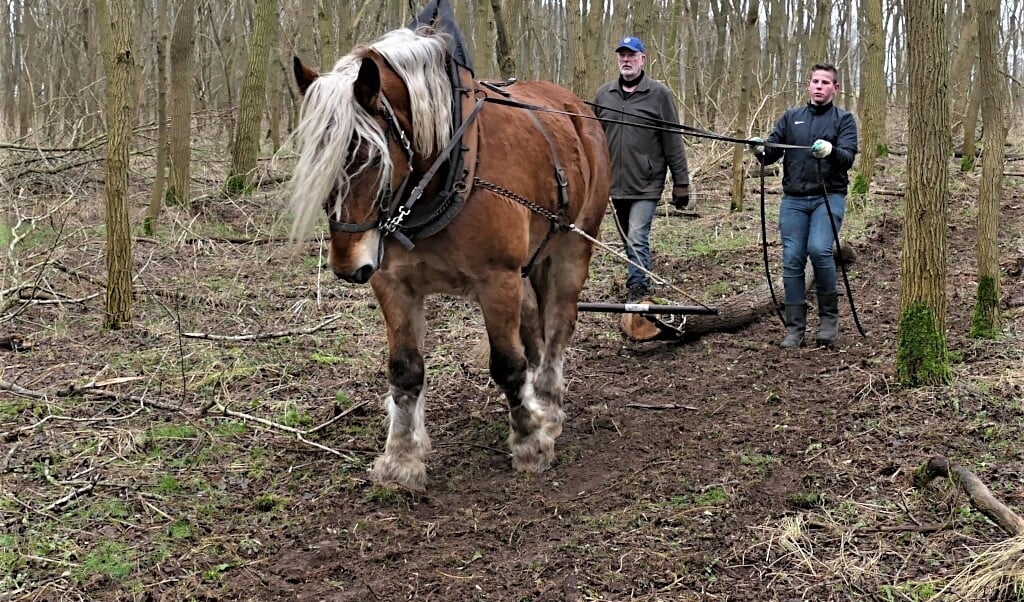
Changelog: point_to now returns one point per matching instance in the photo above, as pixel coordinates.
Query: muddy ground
(162, 462)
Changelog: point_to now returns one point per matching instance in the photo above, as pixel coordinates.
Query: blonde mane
(331, 121)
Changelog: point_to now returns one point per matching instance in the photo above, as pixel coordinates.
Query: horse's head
(366, 129)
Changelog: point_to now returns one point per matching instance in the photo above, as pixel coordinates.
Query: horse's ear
(367, 85)
(304, 76)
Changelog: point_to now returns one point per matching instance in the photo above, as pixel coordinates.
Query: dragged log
(732, 313)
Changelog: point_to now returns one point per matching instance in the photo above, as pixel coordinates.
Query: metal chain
(505, 192)
(572, 227)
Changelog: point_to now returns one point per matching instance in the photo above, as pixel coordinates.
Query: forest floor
(219, 449)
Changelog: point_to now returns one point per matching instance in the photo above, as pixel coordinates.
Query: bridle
(392, 211)
(389, 213)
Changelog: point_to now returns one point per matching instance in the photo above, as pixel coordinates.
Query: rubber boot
(828, 314)
(796, 325)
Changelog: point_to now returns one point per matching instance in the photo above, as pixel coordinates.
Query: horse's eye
(375, 161)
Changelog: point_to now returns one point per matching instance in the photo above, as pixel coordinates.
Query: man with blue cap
(641, 156)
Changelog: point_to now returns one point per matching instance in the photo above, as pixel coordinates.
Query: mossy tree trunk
(120, 68)
(253, 100)
(985, 322)
(921, 356)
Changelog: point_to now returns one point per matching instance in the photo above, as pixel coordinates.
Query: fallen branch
(981, 498)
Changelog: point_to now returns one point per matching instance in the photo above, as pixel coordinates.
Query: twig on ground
(660, 406)
(980, 496)
(74, 493)
(299, 434)
(261, 336)
(93, 388)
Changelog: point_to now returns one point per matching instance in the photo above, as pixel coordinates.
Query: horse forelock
(419, 61)
(330, 123)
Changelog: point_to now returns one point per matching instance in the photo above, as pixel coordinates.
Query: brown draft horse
(371, 129)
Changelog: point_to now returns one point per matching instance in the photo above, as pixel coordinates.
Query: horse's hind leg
(534, 426)
(558, 281)
(408, 442)
(530, 327)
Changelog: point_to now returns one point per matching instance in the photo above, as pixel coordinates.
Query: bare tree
(985, 322)
(751, 44)
(921, 356)
(120, 68)
(502, 45)
(873, 104)
(253, 100)
(160, 77)
(577, 60)
(179, 188)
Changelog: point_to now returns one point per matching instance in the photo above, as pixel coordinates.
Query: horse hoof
(535, 453)
(408, 474)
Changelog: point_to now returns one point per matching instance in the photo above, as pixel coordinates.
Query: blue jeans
(635, 218)
(806, 232)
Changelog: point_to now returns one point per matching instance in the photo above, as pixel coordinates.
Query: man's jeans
(635, 218)
(806, 231)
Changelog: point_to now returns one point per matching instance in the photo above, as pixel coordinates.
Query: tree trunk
(120, 67)
(969, 148)
(963, 64)
(817, 51)
(160, 74)
(921, 356)
(874, 96)
(179, 188)
(578, 60)
(253, 100)
(985, 322)
(502, 45)
(748, 63)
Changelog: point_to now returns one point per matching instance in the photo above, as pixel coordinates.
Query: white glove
(756, 146)
(821, 149)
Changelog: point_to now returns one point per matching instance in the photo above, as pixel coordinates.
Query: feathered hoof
(535, 453)
(404, 473)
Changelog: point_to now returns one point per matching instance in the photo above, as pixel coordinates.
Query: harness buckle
(394, 222)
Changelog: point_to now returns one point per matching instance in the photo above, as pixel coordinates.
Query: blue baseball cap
(631, 43)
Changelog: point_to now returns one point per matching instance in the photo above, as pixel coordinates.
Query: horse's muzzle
(360, 276)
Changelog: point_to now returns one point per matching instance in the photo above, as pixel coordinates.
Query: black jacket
(802, 126)
(641, 157)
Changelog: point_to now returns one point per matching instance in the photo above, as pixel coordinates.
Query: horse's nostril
(362, 275)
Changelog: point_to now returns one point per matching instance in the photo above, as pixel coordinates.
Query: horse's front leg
(535, 424)
(408, 442)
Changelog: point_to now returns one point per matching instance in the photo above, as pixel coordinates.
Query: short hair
(826, 67)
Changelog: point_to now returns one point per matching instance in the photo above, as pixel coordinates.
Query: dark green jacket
(641, 157)
(802, 126)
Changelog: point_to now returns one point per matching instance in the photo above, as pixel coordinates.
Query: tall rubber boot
(796, 325)
(828, 313)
